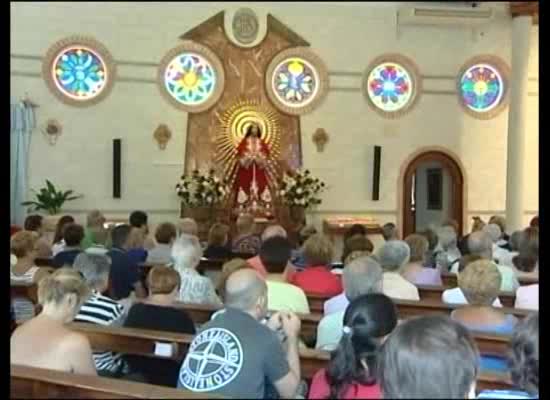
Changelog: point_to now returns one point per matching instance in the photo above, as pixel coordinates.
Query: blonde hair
(95, 218)
(55, 287)
(418, 245)
(480, 282)
(163, 280)
(22, 243)
(318, 250)
(136, 238)
(217, 236)
(245, 223)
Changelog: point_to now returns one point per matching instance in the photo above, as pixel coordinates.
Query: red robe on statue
(251, 186)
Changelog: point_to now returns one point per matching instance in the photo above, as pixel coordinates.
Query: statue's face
(255, 131)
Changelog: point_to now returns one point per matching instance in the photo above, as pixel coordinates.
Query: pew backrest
(35, 383)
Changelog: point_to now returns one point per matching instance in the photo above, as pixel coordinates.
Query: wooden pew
(450, 281)
(201, 314)
(433, 294)
(142, 342)
(27, 291)
(428, 293)
(38, 383)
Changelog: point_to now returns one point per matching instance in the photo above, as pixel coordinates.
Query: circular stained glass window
(296, 80)
(191, 77)
(390, 85)
(79, 73)
(79, 70)
(482, 87)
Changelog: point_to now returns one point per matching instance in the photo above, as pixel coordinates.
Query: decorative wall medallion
(320, 138)
(52, 130)
(296, 81)
(79, 71)
(245, 26)
(482, 86)
(391, 85)
(162, 135)
(191, 77)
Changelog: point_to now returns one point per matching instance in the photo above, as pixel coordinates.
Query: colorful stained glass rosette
(390, 87)
(79, 70)
(481, 88)
(296, 80)
(190, 79)
(79, 73)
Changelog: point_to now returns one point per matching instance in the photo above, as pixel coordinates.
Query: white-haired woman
(197, 289)
(392, 256)
(448, 258)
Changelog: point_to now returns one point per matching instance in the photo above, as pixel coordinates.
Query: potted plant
(50, 200)
(299, 192)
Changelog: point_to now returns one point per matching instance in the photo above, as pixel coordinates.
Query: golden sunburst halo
(234, 123)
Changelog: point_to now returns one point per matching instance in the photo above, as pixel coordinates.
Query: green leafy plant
(50, 199)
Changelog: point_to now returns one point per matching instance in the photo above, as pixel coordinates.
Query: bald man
(235, 355)
(269, 232)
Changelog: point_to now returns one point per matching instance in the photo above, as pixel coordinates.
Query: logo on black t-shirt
(214, 359)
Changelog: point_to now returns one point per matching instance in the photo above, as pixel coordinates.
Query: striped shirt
(22, 307)
(101, 310)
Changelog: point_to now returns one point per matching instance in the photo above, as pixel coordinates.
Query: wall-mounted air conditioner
(452, 14)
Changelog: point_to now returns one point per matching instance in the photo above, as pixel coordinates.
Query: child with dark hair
(430, 357)
(351, 373)
(523, 363)
(72, 235)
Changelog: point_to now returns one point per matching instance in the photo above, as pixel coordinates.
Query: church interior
(274, 199)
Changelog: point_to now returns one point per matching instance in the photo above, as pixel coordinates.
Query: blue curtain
(23, 123)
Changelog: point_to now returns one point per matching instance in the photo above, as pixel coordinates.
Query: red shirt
(320, 389)
(317, 280)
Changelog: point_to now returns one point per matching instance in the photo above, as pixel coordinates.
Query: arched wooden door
(457, 186)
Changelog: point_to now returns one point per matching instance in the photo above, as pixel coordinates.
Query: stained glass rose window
(191, 77)
(296, 80)
(390, 85)
(482, 87)
(79, 70)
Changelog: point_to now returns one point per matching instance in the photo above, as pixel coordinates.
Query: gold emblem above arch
(234, 123)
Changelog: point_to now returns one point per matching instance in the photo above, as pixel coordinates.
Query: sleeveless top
(23, 308)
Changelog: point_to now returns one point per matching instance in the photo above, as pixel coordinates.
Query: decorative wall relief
(51, 130)
(162, 135)
(296, 81)
(79, 71)
(245, 26)
(482, 86)
(191, 77)
(320, 138)
(391, 85)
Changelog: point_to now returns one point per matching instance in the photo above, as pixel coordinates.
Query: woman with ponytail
(351, 372)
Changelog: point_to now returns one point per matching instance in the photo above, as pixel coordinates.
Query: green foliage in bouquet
(301, 189)
(199, 190)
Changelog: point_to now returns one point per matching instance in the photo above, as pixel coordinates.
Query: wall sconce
(320, 138)
(52, 130)
(162, 135)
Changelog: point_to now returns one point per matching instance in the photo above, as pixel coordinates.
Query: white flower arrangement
(301, 189)
(199, 190)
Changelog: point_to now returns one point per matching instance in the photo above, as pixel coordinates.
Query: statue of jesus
(251, 185)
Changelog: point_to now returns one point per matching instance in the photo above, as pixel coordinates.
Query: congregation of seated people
(252, 344)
